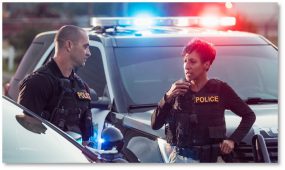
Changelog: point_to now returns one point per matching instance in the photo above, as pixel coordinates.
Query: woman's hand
(179, 87)
(227, 146)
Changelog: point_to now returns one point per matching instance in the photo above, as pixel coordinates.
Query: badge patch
(83, 95)
(206, 99)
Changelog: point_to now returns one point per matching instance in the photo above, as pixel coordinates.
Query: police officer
(193, 110)
(55, 92)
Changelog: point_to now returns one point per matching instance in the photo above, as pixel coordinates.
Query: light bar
(164, 21)
(228, 21)
(209, 22)
(143, 22)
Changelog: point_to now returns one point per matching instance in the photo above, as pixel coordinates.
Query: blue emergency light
(163, 21)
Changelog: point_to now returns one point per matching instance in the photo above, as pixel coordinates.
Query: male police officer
(55, 92)
(193, 110)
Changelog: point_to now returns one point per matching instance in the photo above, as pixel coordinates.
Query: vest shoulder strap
(82, 84)
(214, 85)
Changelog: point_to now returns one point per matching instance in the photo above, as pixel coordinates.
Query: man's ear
(68, 45)
(207, 65)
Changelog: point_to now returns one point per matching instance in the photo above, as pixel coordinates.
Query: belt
(193, 152)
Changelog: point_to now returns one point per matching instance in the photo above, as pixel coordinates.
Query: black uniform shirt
(37, 89)
(40, 93)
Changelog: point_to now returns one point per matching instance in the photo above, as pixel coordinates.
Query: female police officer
(193, 110)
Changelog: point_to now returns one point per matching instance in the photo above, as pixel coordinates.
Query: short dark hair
(206, 50)
(67, 32)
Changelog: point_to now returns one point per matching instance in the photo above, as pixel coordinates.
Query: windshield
(28, 140)
(148, 72)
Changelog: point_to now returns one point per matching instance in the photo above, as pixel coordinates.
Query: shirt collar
(55, 69)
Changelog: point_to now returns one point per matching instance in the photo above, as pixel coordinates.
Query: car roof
(174, 36)
(161, 41)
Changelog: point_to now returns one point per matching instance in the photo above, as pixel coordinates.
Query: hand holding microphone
(180, 87)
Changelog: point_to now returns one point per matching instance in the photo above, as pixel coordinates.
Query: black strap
(63, 91)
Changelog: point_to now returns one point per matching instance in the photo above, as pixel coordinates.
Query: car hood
(266, 118)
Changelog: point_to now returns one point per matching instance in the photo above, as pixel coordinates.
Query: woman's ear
(207, 65)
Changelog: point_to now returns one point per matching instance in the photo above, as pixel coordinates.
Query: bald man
(55, 92)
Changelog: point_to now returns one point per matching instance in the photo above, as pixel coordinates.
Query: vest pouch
(217, 132)
(59, 118)
(205, 154)
(209, 153)
(183, 129)
(74, 116)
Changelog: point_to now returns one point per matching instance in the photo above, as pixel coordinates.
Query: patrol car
(48, 144)
(134, 62)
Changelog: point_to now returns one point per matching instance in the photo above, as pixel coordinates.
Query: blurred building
(27, 19)
(264, 16)
(8, 54)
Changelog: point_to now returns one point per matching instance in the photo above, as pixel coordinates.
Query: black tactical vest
(69, 104)
(197, 118)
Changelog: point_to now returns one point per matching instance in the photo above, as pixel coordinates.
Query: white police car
(135, 60)
(30, 139)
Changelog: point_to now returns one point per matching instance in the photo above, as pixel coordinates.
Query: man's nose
(88, 53)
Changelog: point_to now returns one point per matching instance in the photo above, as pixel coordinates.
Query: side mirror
(97, 102)
(94, 96)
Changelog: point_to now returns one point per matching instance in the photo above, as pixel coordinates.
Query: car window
(252, 71)
(28, 140)
(93, 73)
(148, 72)
(30, 60)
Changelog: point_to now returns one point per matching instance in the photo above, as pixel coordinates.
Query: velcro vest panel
(197, 118)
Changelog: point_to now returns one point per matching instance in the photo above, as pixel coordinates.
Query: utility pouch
(209, 153)
(205, 154)
(74, 116)
(215, 152)
(59, 118)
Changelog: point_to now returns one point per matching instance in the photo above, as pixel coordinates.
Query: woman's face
(194, 67)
